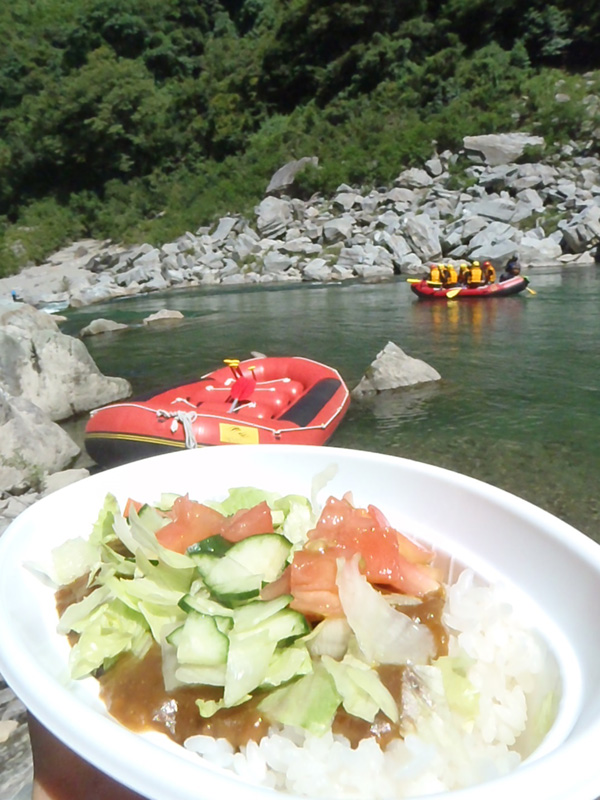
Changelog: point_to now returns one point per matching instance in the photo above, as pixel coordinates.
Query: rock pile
(45, 377)
(545, 212)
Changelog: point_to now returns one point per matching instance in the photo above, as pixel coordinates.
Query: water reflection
(406, 404)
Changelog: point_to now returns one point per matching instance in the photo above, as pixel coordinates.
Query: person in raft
(435, 275)
(449, 276)
(489, 273)
(511, 270)
(462, 273)
(475, 275)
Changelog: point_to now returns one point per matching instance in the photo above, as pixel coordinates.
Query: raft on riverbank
(279, 400)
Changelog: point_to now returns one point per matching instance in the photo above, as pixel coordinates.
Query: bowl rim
(569, 771)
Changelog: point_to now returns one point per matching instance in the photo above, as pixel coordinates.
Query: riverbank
(545, 213)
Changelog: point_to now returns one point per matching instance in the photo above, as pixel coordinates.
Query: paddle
(241, 390)
(420, 280)
(453, 292)
(234, 366)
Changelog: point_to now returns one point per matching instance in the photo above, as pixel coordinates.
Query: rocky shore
(544, 212)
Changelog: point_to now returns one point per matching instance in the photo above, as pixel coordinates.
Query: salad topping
(225, 618)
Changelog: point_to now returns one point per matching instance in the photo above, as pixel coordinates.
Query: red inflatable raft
(262, 400)
(511, 286)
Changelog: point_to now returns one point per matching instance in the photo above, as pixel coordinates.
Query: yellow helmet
(476, 263)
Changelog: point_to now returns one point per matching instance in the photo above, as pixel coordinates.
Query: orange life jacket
(475, 276)
(490, 274)
(450, 276)
(435, 276)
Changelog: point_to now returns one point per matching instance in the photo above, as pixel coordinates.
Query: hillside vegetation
(138, 119)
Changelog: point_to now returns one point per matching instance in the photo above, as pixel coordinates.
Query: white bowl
(554, 570)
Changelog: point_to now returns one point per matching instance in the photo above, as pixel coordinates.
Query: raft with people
(266, 400)
(445, 282)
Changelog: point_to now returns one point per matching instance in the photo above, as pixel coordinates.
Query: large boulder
(392, 369)
(501, 148)
(285, 176)
(31, 445)
(49, 368)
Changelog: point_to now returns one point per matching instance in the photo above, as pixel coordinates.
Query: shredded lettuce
(461, 695)
(309, 703)
(360, 687)
(384, 635)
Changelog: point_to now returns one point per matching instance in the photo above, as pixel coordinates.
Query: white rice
(440, 751)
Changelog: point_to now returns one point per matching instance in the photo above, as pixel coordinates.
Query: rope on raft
(184, 418)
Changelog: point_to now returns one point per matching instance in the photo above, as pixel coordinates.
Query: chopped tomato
(409, 549)
(131, 504)
(276, 588)
(191, 523)
(388, 557)
(312, 582)
(248, 522)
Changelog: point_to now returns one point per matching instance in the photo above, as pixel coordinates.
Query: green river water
(519, 400)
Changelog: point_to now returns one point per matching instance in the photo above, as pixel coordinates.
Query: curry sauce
(133, 691)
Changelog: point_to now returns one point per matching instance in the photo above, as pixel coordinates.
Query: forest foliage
(138, 119)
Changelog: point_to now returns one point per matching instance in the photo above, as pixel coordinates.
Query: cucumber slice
(265, 554)
(203, 676)
(204, 605)
(214, 545)
(199, 641)
(256, 611)
(240, 573)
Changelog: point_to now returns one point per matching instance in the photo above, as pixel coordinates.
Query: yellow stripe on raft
(125, 437)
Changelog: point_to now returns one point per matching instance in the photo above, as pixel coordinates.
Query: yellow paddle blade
(530, 290)
(413, 280)
(453, 292)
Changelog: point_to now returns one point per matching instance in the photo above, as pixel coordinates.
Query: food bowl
(551, 570)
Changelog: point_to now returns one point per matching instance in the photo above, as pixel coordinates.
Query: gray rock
(538, 252)
(273, 216)
(224, 228)
(317, 270)
(338, 230)
(414, 179)
(98, 326)
(59, 480)
(164, 315)
(31, 445)
(285, 176)
(276, 262)
(494, 208)
(501, 148)
(52, 370)
(391, 369)
(423, 235)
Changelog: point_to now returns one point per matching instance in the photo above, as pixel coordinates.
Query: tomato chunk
(135, 504)
(388, 558)
(191, 523)
(248, 522)
(313, 585)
